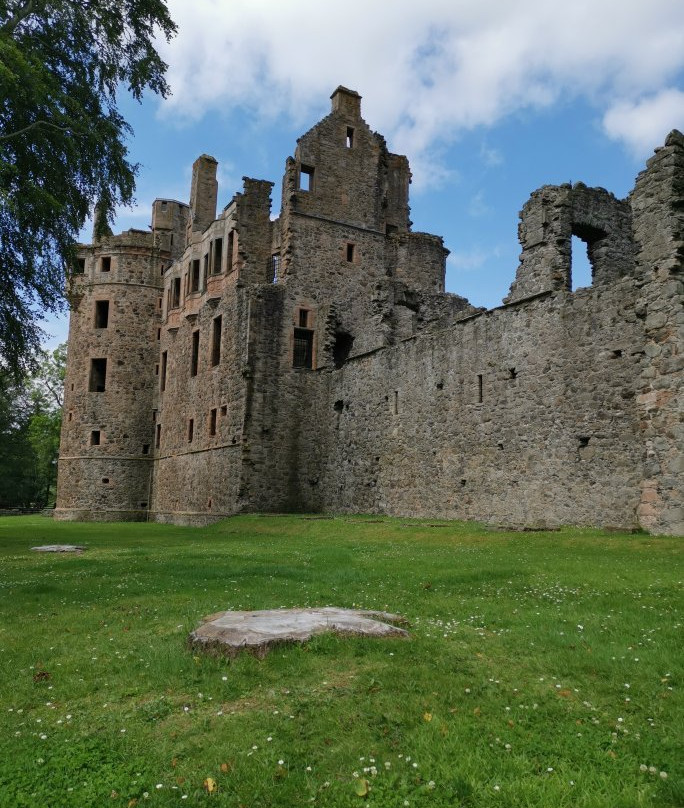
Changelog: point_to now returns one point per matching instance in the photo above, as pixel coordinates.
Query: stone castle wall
(313, 362)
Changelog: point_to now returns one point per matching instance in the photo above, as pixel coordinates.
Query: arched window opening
(342, 348)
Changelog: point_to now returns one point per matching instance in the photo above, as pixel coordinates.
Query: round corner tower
(111, 383)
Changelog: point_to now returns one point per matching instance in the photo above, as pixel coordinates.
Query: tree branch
(32, 126)
(21, 14)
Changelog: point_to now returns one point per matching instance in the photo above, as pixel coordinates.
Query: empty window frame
(350, 137)
(191, 429)
(176, 293)
(216, 340)
(212, 421)
(79, 267)
(162, 374)
(302, 349)
(306, 178)
(205, 274)
(195, 276)
(157, 439)
(231, 250)
(101, 313)
(274, 267)
(194, 357)
(95, 437)
(98, 375)
(218, 256)
(105, 263)
(351, 252)
(303, 318)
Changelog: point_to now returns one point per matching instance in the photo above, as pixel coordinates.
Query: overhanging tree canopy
(62, 140)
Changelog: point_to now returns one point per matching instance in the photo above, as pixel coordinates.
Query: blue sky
(490, 99)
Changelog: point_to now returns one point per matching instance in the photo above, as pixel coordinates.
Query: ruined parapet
(107, 429)
(549, 220)
(203, 194)
(169, 225)
(253, 228)
(658, 207)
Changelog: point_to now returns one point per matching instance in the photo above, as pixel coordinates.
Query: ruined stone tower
(313, 362)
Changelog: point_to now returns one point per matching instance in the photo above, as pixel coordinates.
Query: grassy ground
(544, 669)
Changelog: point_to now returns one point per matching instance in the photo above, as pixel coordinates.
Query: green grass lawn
(543, 669)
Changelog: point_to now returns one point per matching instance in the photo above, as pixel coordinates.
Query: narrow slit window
(396, 402)
(205, 274)
(157, 439)
(216, 341)
(176, 293)
(350, 137)
(230, 250)
(212, 421)
(274, 267)
(101, 313)
(162, 375)
(95, 437)
(194, 360)
(195, 276)
(351, 252)
(191, 429)
(303, 318)
(306, 178)
(146, 448)
(98, 375)
(479, 388)
(105, 263)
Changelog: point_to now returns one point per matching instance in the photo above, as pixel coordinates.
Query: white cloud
(472, 259)
(478, 205)
(643, 124)
(427, 71)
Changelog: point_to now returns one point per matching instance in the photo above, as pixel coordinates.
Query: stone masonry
(313, 362)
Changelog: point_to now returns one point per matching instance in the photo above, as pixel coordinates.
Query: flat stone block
(258, 631)
(59, 548)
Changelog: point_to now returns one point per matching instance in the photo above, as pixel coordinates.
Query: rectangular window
(350, 137)
(231, 250)
(303, 318)
(194, 359)
(218, 256)
(216, 341)
(274, 267)
(302, 353)
(95, 437)
(205, 274)
(79, 269)
(306, 178)
(101, 313)
(351, 252)
(176, 293)
(195, 276)
(162, 375)
(191, 429)
(479, 388)
(212, 422)
(224, 410)
(157, 439)
(98, 375)
(105, 263)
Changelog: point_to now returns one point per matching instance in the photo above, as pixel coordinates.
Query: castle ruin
(313, 362)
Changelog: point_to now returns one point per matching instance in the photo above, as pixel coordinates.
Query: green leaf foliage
(63, 141)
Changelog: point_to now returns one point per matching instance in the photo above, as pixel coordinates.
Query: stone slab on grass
(258, 631)
(59, 548)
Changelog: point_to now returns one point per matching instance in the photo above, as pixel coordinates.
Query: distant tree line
(30, 422)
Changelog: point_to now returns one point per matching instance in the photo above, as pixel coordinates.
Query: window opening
(218, 256)
(95, 437)
(212, 422)
(71, 415)
(274, 267)
(162, 380)
(195, 276)
(512, 373)
(350, 137)
(306, 177)
(194, 360)
(302, 354)
(157, 440)
(216, 340)
(176, 293)
(580, 266)
(146, 448)
(303, 318)
(98, 375)
(191, 429)
(156, 369)
(79, 269)
(396, 402)
(101, 313)
(338, 406)
(391, 229)
(158, 333)
(105, 263)
(351, 250)
(231, 250)
(205, 274)
(479, 388)
(342, 348)
(105, 480)
(224, 410)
